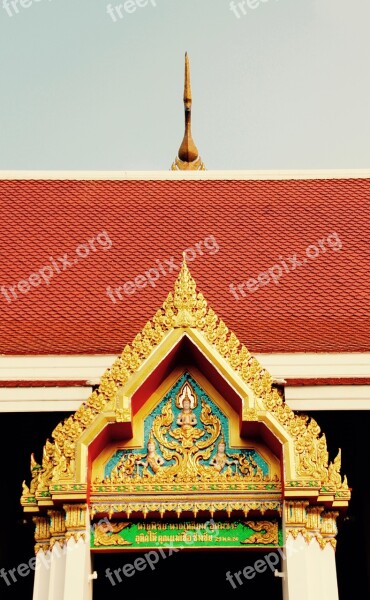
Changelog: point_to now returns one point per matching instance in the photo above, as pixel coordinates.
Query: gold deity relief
(221, 459)
(186, 432)
(152, 459)
(187, 448)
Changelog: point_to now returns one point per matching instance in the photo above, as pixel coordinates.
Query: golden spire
(188, 158)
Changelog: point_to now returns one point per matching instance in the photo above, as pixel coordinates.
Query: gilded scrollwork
(107, 534)
(42, 533)
(181, 449)
(267, 532)
(313, 522)
(186, 451)
(334, 472)
(186, 506)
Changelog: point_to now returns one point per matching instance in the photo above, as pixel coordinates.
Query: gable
(110, 434)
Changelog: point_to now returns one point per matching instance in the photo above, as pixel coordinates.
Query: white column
(309, 570)
(295, 569)
(314, 570)
(42, 565)
(329, 578)
(42, 576)
(57, 572)
(309, 564)
(77, 583)
(58, 554)
(329, 573)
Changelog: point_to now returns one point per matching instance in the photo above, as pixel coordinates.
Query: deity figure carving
(152, 459)
(221, 459)
(186, 444)
(186, 420)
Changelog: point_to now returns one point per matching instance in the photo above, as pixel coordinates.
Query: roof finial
(188, 158)
(187, 86)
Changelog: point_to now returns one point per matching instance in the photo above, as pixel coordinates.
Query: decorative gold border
(137, 441)
(185, 312)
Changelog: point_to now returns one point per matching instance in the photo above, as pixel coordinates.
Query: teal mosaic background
(197, 411)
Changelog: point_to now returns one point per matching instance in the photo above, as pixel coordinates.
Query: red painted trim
(289, 381)
(326, 381)
(184, 354)
(16, 383)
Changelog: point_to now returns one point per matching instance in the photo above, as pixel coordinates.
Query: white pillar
(78, 583)
(309, 570)
(329, 578)
(314, 570)
(309, 564)
(57, 572)
(329, 573)
(295, 569)
(58, 554)
(42, 552)
(42, 576)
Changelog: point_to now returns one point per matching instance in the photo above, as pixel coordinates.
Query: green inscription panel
(129, 535)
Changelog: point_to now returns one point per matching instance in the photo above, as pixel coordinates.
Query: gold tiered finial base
(181, 165)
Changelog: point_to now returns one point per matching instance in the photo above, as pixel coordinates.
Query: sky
(277, 84)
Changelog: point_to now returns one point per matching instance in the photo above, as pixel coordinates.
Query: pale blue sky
(285, 86)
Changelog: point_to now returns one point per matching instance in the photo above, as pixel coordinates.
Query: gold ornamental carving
(57, 527)
(308, 537)
(295, 532)
(107, 534)
(183, 165)
(29, 493)
(250, 414)
(191, 452)
(267, 532)
(312, 522)
(184, 308)
(75, 521)
(329, 523)
(123, 415)
(296, 512)
(314, 517)
(42, 534)
(185, 507)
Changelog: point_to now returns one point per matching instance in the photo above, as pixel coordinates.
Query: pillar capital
(42, 534)
(57, 527)
(76, 521)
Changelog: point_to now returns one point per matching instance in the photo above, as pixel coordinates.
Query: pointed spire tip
(188, 157)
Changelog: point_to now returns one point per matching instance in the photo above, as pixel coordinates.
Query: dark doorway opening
(199, 574)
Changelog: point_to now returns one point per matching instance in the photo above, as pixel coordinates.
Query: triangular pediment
(185, 334)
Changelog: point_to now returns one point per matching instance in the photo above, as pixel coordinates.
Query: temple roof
(237, 229)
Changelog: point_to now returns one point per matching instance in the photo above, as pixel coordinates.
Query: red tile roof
(321, 306)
